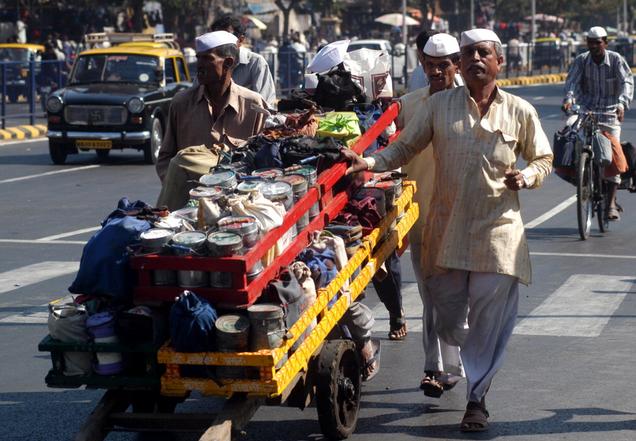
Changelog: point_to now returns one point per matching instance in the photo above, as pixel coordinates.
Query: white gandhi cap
(441, 45)
(477, 36)
(597, 32)
(211, 40)
(329, 56)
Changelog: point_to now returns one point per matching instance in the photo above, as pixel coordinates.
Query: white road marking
(595, 256)
(43, 242)
(537, 98)
(22, 141)
(39, 175)
(552, 116)
(70, 233)
(411, 303)
(551, 213)
(27, 318)
(36, 273)
(581, 307)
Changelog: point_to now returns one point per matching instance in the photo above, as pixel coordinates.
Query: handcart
(324, 366)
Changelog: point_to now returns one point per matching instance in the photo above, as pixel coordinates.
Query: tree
(286, 10)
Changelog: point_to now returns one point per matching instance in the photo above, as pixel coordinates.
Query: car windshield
(355, 47)
(14, 54)
(116, 68)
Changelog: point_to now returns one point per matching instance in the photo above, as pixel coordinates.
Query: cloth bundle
(341, 125)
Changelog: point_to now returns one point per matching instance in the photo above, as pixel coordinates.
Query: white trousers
(491, 301)
(438, 355)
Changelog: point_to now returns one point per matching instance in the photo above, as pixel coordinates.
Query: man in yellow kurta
(474, 246)
(440, 61)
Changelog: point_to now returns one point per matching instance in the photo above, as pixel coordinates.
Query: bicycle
(591, 189)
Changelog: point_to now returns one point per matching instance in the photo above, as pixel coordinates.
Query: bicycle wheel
(584, 207)
(600, 199)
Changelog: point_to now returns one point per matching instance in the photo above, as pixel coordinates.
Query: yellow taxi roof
(546, 40)
(144, 44)
(134, 50)
(30, 46)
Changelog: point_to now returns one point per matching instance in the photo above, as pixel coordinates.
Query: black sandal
(431, 385)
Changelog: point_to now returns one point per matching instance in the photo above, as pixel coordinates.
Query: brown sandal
(431, 386)
(398, 332)
(475, 419)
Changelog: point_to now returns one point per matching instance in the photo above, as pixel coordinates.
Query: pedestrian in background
(440, 62)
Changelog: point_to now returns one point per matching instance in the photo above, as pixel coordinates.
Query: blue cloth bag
(104, 268)
(192, 324)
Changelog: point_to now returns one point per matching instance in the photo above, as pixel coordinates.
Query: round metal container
(154, 239)
(392, 189)
(279, 192)
(299, 189)
(310, 174)
(254, 271)
(307, 171)
(267, 326)
(189, 243)
(232, 335)
(189, 214)
(249, 187)
(212, 193)
(244, 226)
(268, 173)
(222, 178)
(164, 277)
(221, 244)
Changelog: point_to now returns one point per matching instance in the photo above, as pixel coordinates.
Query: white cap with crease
(441, 45)
(597, 32)
(212, 40)
(474, 36)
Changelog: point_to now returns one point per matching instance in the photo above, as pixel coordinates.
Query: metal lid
(239, 224)
(304, 170)
(298, 182)
(155, 234)
(268, 173)
(265, 311)
(249, 186)
(220, 178)
(276, 189)
(232, 324)
(225, 239)
(189, 238)
(206, 192)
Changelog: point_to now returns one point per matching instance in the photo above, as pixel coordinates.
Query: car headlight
(135, 105)
(54, 104)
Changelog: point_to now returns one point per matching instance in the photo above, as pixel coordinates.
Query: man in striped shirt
(601, 81)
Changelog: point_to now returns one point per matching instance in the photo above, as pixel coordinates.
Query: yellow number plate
(93, 144)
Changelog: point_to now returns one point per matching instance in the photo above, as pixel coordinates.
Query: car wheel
(58, 153)
(152, 147)
(102, 154)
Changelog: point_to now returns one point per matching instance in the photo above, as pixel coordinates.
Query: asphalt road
(569, 372)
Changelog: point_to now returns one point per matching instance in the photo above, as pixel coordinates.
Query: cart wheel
(338, 380)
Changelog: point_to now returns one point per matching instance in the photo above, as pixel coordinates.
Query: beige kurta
(474, 223)
(421, 169)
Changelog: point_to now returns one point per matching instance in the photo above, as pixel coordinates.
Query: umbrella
(395, 19)
(329, 56)
(545, 18)
(255, 22)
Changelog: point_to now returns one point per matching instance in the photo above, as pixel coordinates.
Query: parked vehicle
(116, 98)
(18, 57)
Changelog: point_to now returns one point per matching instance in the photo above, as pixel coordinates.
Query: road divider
(23, 132)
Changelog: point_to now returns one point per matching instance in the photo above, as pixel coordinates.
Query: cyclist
(601, 81)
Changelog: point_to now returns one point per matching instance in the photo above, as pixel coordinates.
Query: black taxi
(116, 98)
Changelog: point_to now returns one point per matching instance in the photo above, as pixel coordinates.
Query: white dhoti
(491, 301)
(439, 356)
